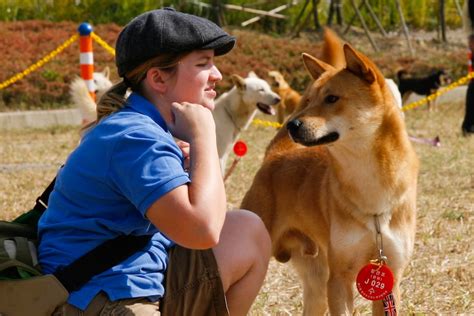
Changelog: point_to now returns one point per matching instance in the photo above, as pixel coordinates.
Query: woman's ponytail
(115, 98)
(112, 100)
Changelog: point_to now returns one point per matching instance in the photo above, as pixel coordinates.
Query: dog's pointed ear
(315, 66)
(356, 64)
(238, 81)
(252, 75)
(106, 72)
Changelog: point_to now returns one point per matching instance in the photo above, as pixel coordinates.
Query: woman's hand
(184, 146)
(191, 121)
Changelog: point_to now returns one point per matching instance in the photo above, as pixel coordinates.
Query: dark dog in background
(421, 85)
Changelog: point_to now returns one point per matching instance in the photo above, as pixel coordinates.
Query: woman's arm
(193, 215)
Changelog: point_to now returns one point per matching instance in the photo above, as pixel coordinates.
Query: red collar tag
(374, 281)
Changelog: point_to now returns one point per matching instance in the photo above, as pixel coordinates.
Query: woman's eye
(331, 98)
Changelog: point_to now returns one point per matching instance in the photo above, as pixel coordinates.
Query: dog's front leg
(340, 295)
(433, 102)
(314, 274)
(428, 105)
(281, 111)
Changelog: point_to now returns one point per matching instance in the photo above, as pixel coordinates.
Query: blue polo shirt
(123, 165)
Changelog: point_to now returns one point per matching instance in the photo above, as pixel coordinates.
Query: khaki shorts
(193, 287)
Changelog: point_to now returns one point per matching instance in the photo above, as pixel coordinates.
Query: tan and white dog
(341, 166)
(81, 98)
(235, 110)
(289, 97)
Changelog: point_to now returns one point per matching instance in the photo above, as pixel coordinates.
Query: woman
(129, 177)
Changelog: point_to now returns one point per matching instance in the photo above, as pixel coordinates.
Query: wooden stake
(231, 168)
(366, 29)
(442, 20)
(298, 19)
(317, 25)
(458, 7)
(218, 12)
(404, 26)
(335, 8)
(277, 9)
(361, 4)
(261, 12)
(377, 21)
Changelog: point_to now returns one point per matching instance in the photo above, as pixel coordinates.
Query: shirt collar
(139, 104)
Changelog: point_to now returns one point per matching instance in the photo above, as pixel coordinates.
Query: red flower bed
(25, 43)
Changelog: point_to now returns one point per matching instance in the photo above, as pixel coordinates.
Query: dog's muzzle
(268, 108)
(301, 135)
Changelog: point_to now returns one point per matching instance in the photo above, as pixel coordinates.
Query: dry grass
(440, 276)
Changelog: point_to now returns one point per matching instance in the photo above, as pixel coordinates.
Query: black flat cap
(167, 31)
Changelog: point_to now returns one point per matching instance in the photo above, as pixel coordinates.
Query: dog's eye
(331, 98)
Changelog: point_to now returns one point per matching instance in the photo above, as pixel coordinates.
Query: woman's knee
(244, 246)
(250, 229)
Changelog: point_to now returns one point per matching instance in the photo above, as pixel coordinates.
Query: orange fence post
(86, 57)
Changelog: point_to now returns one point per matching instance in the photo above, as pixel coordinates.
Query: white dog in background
(81, 98)
(394, 89)
(235, 110)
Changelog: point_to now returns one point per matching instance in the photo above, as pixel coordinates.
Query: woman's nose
(215, 74)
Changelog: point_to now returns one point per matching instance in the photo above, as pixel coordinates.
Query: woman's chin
(209, 104)
(211, 107)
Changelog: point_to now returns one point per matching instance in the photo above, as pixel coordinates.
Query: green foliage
(418, 13)
(50, 75)
(98, 11)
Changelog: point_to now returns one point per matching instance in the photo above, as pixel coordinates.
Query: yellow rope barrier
(103, 43)
(51, 55)
(40, 63)
(266, 123)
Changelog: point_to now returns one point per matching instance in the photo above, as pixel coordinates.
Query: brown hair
(114, 98)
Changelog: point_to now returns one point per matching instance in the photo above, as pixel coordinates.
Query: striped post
(87, 57)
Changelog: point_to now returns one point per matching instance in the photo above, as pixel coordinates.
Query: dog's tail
(82, 100)
(332, 51)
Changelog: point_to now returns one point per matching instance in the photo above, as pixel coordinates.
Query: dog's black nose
(293, 125)
(277, 100)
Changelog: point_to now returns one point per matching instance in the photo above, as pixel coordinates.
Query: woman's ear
(155, 79)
